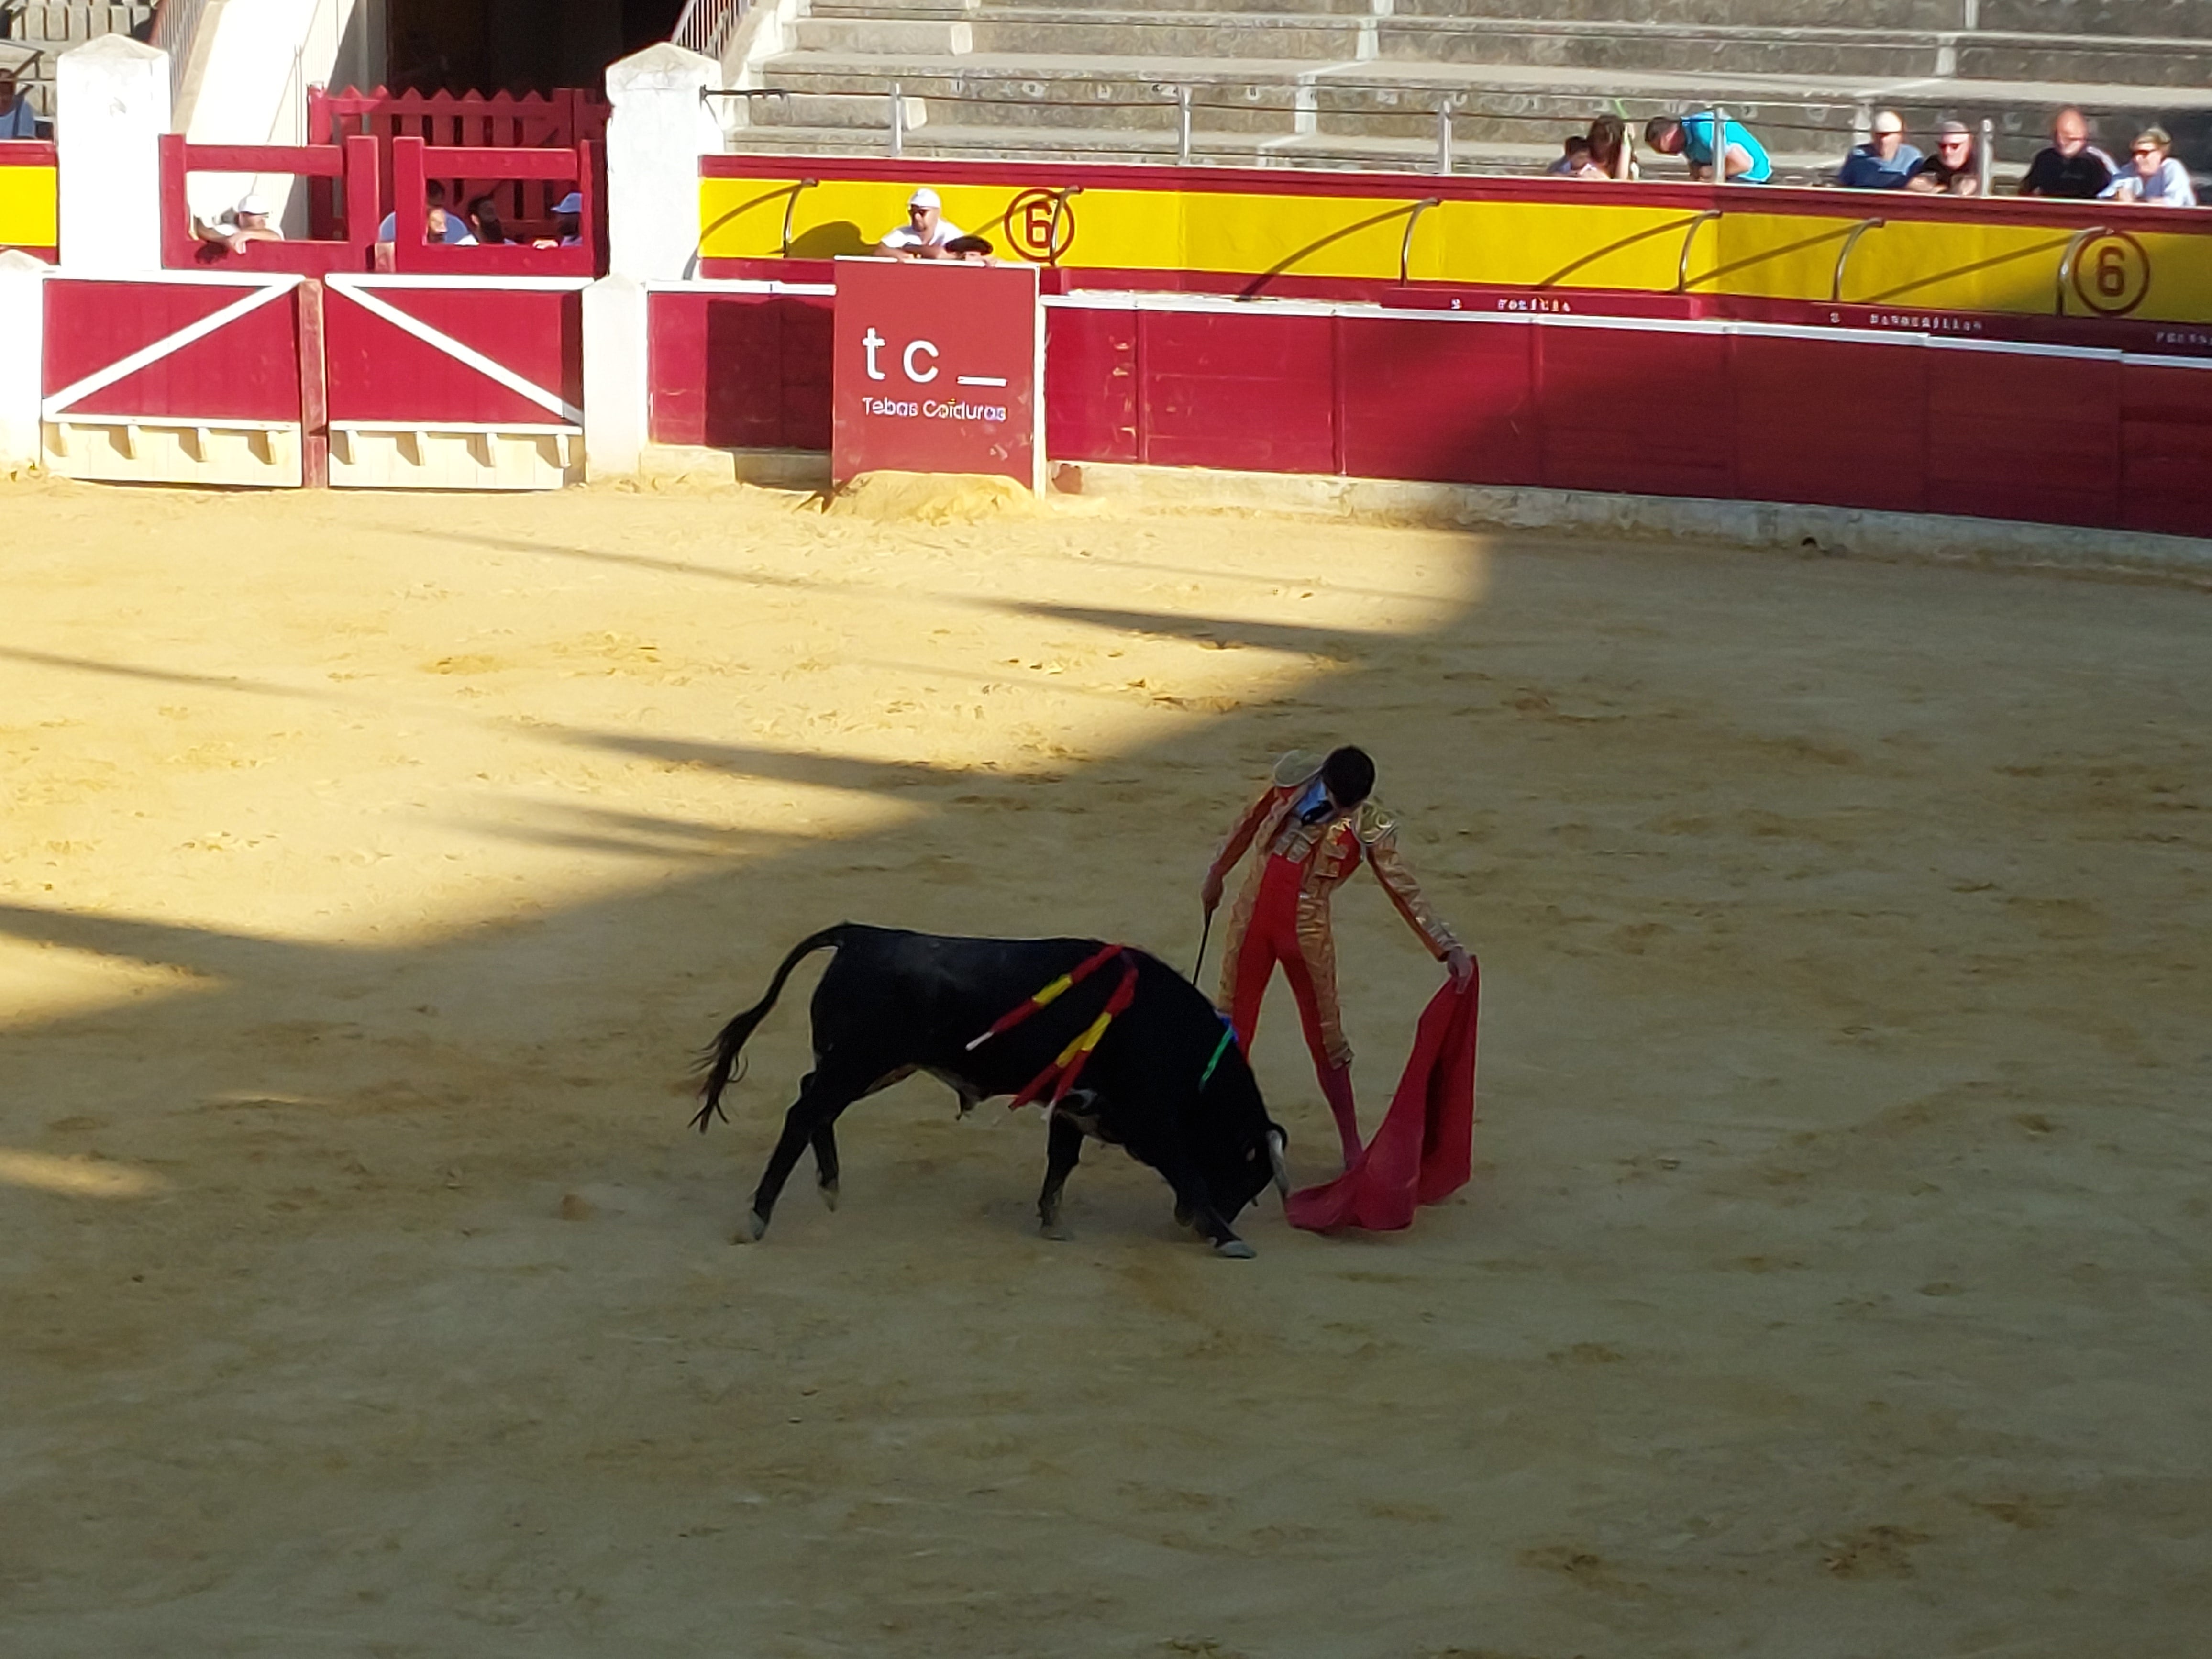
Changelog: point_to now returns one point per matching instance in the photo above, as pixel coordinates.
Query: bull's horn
(1275, 1158)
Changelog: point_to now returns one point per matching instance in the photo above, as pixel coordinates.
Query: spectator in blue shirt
(1884, 160)
(1691, 137)
(2154, 177)
(16, 120)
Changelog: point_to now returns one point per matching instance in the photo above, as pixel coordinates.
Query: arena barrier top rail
(1413, 240)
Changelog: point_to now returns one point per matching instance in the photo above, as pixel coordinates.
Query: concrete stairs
(34, 33)
(1359, 82)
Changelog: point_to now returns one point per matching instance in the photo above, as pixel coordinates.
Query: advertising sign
(937, 367)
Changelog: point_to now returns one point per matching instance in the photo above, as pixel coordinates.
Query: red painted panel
(1829, 422)
(1090, 383)
(1645, 410)
(248, 369)
(1449, 403)
(1229, 389)
(2166, 449)
(2015, 436)
(740, 370)
(379, 372)
(939, 366)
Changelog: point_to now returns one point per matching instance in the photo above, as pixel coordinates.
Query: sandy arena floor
(1834, 1280)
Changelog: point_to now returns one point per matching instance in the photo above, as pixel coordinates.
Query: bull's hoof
(1236, 1249)
(1055, 1230)
(1182, 1215)
(828, 1191)
(751, 1229)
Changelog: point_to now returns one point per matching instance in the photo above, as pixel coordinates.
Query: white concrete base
(1843, 531)
(1837, 531)
(769, 468)
(392, 457)
(112, 450)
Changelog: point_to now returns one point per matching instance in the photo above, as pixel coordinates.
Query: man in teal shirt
(1691, 137)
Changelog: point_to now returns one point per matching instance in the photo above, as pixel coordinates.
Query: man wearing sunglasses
(2154, 179)
(1953, 169)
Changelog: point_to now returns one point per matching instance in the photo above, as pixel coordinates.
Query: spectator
(483, 214)
(1574, 156)
(16, 120)
(1953, 169)
(2072, 167)
(925, 232)
(2157, 180)
(1691, 137)
(1611, 154)
(246, 223)
(1885, 161)
(970, 249)
(567, 222)
(455, 227)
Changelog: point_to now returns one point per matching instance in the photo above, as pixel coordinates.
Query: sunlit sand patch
(42, 982)
(76, 1177)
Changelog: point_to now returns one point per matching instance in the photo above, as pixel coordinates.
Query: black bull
(892, 1003)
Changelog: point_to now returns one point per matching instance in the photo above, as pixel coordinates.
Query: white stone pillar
(112, 106)
(615, 393)
(661, 128)
(22, 331)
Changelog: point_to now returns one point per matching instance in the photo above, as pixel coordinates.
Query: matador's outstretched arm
(1378, 835)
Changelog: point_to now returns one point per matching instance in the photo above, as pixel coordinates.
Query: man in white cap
(1314, 825)
(246, 223)
(925, 232)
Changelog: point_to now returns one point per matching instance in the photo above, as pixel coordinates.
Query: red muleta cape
(1424, 1151)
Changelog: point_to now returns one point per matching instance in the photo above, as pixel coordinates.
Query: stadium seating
(1330, 83)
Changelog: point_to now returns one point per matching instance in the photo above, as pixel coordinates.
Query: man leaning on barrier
(1691, 137)
(2069, 167)
(925, 232)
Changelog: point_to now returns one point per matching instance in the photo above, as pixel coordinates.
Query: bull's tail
(720, 1059)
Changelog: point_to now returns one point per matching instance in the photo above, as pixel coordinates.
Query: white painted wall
(111, 98)
(659, 129)
(248, 80)
(22, 330)
(614, 378)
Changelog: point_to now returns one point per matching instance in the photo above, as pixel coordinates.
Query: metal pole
(1720, 145)
(1444, 138)
(1182, 126)
(1985, 158)
(898, 122)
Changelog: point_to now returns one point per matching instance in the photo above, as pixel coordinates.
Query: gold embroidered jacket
(1330, 851)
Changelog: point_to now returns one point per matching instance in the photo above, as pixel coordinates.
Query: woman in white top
(2155, 178)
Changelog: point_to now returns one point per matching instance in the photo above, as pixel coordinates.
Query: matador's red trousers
(1272, 937)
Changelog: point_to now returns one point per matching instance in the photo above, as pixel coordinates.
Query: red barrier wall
(1646, 405)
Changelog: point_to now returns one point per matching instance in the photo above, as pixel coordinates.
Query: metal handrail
(176, 26)
(2073, 246)
(705, 26)
(1052, 225)
(797, 190)
(1405, 242)
(1682, 265)
(1844, 258)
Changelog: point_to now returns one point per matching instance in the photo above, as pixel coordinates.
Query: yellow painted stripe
(1051, 992)
(1956, 265)
(30, 213)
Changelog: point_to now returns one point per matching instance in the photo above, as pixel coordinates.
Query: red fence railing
(542, 175)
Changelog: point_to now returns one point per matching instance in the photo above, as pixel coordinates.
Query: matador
(1315, 822)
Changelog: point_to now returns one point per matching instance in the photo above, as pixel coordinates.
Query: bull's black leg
(1062, 1150)
(1194, 1202)
(825, 1160)
(823, 1094)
